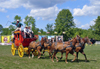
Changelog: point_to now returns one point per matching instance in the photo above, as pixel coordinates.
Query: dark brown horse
(64, 47)
(79, 47)
(36, 46)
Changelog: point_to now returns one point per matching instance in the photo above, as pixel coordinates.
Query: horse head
(87, 40)
(52, 40)
(76, 39)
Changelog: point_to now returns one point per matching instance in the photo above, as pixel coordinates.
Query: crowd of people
(28, 33)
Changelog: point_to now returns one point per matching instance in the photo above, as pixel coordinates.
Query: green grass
(8, 61)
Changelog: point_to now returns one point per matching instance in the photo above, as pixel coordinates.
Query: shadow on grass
(79, 60)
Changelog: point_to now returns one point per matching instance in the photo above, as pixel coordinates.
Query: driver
(18, 24)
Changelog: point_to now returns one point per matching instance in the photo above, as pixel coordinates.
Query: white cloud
(10, 4)
(46, 14)
(7, 16)
(87, 26)
(88, 10)
(77, 23)
(30, 3)
(2, 10)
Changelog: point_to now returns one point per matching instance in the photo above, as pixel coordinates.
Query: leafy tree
(64, 22)
(5, 31)
(17, 18)
(11, 28)
(1, 27)
(42, 32)
(30, 21)
(96, 26)
(49, 28)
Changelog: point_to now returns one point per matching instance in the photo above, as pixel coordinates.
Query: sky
(45, 11)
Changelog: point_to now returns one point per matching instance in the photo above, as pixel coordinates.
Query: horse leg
(77, 56)
(43, 53)
(39, 53)
(33, 53)
(74, 55)
(29, 52)
(61, 55)
(66, 56)
(84, 55)
(54, 55)
(50, 53)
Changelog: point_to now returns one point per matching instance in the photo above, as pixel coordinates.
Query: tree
(49, 28)
(11, 28)
(42, 32)
(96, 26)
(1, 27)
(5, 31)
(17, 18)
(30, 21)
(64, 22)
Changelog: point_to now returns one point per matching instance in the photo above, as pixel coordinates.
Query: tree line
(64, 25)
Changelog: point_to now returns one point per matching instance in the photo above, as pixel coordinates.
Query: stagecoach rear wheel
(13, 49)
(21, 51)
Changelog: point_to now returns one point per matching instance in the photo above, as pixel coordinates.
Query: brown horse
(64, 47)
(49, 45)
(68, 43)
(80, 47)
(36, 46)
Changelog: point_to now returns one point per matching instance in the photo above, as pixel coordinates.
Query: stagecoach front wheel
(35, 53)
(21, 51)
(13, 49)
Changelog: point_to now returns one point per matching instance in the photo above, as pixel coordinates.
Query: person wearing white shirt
(26, 32)
(31, 32)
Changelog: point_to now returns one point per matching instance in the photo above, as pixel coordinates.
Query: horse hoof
(38, 57)
(66, 62)
(32, 56)
(29, 57)
(57, 60)
(71, 60)
(60, 58)
(53, 61)
(85, 61)
(43, 57)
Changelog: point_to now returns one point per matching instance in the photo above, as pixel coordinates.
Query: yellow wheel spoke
(13, 49)
(21, 51)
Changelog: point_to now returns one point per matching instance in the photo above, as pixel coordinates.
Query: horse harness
(80, 45)
(67, 46)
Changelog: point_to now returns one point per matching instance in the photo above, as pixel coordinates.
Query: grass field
(8, 61)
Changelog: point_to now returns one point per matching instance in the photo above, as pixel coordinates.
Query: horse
(36, 46)
(64, 47)
(49, 45)
(79, 47)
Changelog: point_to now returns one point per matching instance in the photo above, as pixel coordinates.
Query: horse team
(76, 44)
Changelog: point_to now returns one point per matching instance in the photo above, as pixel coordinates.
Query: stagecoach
(20, 43)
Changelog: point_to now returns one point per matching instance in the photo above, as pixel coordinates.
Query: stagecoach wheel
(21, 51)
(13, 49)
(35, 53)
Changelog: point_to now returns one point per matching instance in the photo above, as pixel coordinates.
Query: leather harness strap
(81, 45)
